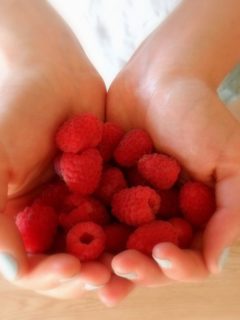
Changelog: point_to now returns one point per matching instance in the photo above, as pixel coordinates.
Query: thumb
(13, 258)
(223, 229)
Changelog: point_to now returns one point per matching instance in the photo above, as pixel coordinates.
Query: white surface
(111, 30)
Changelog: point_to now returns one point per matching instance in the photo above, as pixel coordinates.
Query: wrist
(200, 39)
(28, 30)
(18, 20)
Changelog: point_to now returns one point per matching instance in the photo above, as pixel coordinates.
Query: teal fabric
(229, 89)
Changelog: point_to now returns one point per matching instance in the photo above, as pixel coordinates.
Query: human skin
(45, 79)
(169, 89)
(43, 66)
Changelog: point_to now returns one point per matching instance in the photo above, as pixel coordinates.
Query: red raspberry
(159, 170)
(79, 133)
(86, 241)
(112, 181)
(112, 134)
(136, 206)
(169, 203)
(88, 209)
(147, 236)
(134, 177)
(37, 225)
(82, 172)
(132, 147)
(53, 195)
(73, 200)
(59, 243)
(197, 202)
(184, 232)
(56, 165)
(117, 235)
(183, 177)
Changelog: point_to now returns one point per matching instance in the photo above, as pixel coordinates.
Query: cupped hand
(45, 79)
(185, 118)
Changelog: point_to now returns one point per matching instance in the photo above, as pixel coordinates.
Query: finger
(94, 275)
(115, 291)
(13, 259)
(135, 266)
(73, 289)
(106, 259)
(178, 264)
(117, 288)
(4, 181)
(223, 230)
(47, 272)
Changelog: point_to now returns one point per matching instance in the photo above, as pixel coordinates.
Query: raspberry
(145, 237)
(136, 206)
(183, 177)
(86, 241)
(169, 203)
(184, 232)
(134, 177)
(117, 235)
(59, 243)
(82, 172)
(159, 170)
(37, 225)
(112, 134)
(56, 165)
(53, 195)
(132, 147)
(143, 191)
(197, 202)
(79, 133)
(88, 209)
(112, 181)
(73, 200)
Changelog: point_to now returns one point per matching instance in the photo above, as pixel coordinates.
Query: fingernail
(223, 259)
(8, 266)
(163, 263)
(129, 276)
(73, 278)
(90, 287)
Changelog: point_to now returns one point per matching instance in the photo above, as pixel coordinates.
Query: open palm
(42, 84)
(185, 119)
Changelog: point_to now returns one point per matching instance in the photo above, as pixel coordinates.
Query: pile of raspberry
(112, 192)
